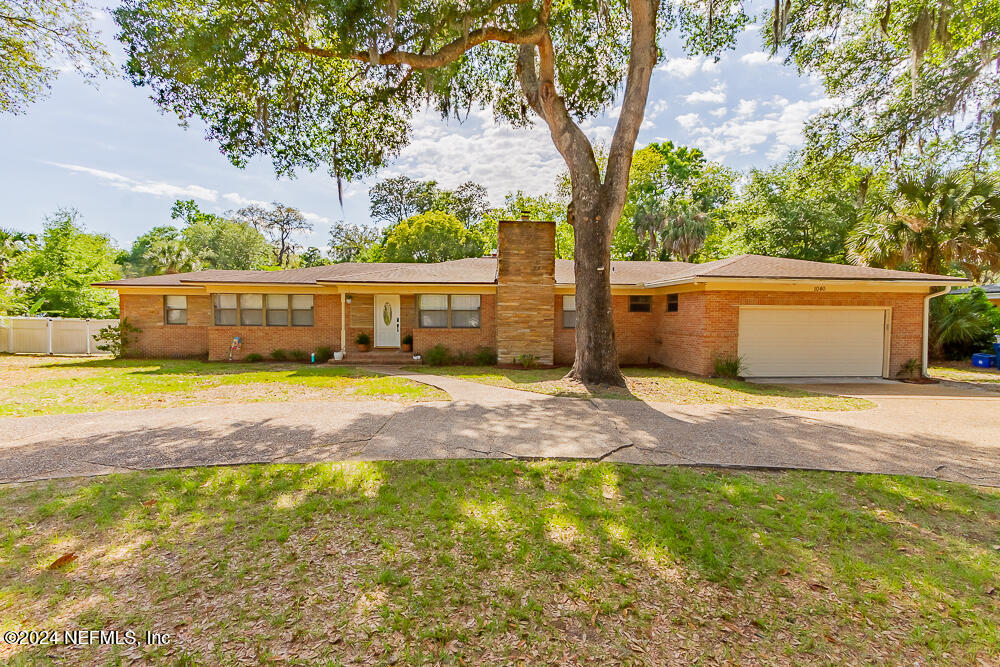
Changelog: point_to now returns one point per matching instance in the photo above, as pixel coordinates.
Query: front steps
(376, 358)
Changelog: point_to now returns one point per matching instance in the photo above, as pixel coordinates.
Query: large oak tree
(334, 84)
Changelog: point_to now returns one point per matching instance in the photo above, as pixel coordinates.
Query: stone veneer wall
(525, 312)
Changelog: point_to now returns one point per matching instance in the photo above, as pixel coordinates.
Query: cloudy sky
(108, 152)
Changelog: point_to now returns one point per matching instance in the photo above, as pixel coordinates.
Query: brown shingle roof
(779, 268)
(483, 271)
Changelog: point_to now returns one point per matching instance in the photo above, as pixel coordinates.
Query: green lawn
(964, 371)
(656, 384)
(500, 562)
(38, 385)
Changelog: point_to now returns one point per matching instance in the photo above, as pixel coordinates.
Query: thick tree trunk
(596, 359)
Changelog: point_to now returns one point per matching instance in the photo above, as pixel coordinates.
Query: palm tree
(649, 220)
(685, 232)
(172, 256)
(931, 224)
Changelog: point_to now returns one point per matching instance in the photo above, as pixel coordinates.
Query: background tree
(313, 256)
(171, 256)
(395, 199)
(228, 244)
(795, 210)
(353, 243)
(431, 237)
(685, 232)
(40, 37)
(933, 224)
(134, 262)
(962, 324)
(59, 270)
(538, 207)
(12, 244)
(281, 224)
(337, 84)
(905, 74)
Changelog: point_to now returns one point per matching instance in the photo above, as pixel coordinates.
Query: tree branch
(642, 59)
(446, 54)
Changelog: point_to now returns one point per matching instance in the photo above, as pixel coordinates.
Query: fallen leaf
(783, 572)
(816, 586)
(62, 561)
(780, 498)
(150, 503)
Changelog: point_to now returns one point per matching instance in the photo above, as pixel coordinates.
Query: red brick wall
(722, 319)
(325, 332)
(157, 339)
(682, 334)
(461, 340)
(563, 340)
(636, 334)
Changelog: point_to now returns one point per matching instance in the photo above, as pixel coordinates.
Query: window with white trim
(175, 309)
(569, 311)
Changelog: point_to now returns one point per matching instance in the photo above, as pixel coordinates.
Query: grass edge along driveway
(655, 384)
(501, 562)
(41, 385)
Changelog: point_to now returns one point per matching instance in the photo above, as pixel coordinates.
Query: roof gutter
(927, 326)
(706, 279)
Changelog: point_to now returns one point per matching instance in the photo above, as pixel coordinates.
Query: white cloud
(746, 107)
(164, 189)
(777, 131)
(156, 188)
(719, 113)
(756, 58)
(683, 68)
(656, 108)
(716, 95)
(689, 120)
(499, 157)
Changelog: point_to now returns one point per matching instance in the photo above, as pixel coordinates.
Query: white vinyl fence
(50, 335)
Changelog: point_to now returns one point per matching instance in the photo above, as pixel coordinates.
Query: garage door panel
(802, 342)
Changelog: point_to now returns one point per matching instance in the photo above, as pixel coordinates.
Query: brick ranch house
(783, 317)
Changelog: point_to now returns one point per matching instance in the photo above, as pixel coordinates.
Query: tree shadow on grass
(211, 368)
(488, 561)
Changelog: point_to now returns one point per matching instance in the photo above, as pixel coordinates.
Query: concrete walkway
(937, 431)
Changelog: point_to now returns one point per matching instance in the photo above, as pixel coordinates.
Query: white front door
(387, 320)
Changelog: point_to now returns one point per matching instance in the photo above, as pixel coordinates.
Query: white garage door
(804, 342)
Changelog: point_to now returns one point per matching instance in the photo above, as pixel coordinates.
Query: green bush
(437, 355)
(324, 354)
(299, 355)
(527, 361)
(363, 338)
(485, 356)
(115, 338)
(963, 324)
(253, 357)
(728, 366)
(910, 369)
(279, 355)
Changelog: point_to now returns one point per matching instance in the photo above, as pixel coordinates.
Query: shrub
(527, 360)
(437, 355)
(115, 338)
(910, 369)
(486, 356)
(963, 324)
(253, 357)
(299, 355)
(279, 355)
(363, 338)
(324, 354)
(728, 366)
(408, 339)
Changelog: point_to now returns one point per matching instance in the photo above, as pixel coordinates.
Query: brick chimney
(526, 267)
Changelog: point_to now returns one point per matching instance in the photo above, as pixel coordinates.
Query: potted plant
(363, 341)
(407, 343)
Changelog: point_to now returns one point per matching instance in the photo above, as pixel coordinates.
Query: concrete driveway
(943, 431)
